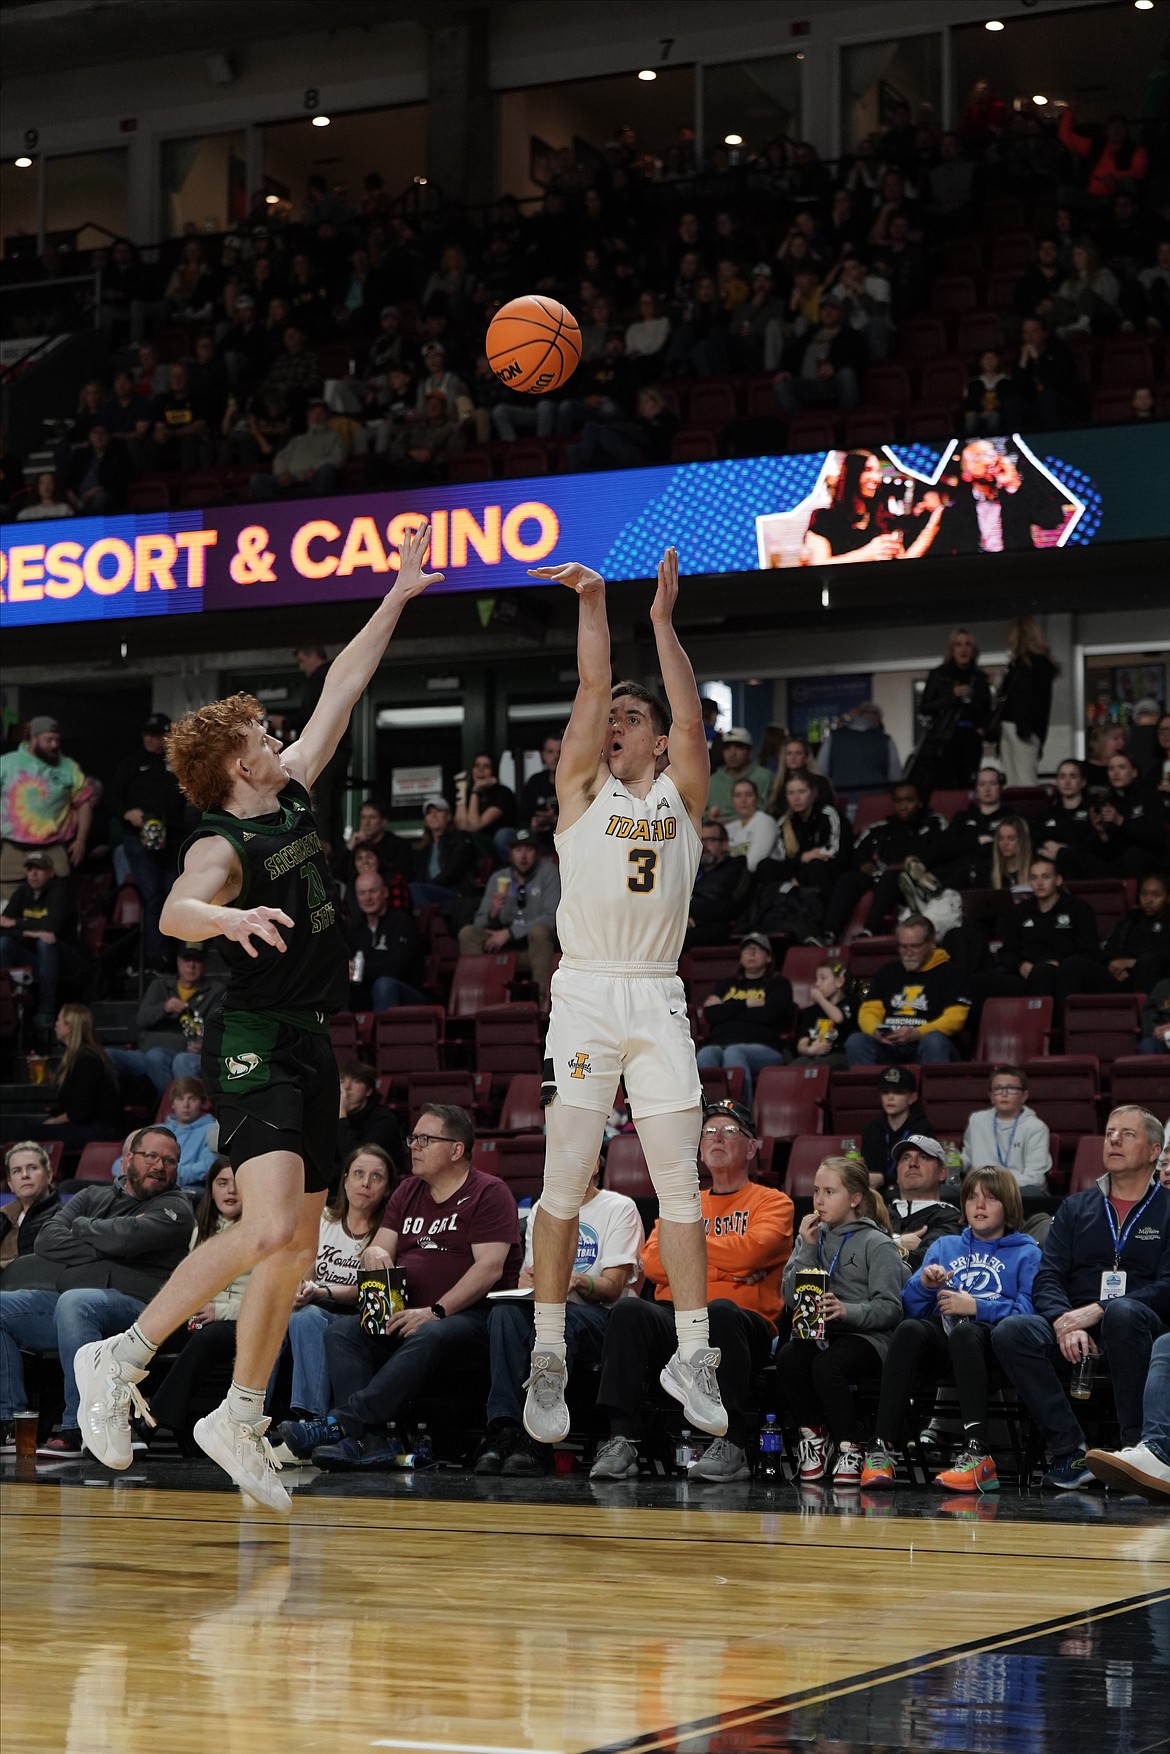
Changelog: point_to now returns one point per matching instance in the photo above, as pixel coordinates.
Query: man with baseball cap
(917, 1213)
(749, 1239)
(145, 797)
(444, 859)
(46, 805)
(519, 911)
(737, 765)
(36, 926)
(307, 464)
(748, 1015)
(170, 1021)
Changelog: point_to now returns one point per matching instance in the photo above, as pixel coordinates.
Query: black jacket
(372, 1124)
(49, 911)
(734, 1020)
(938, 1218)
(1068, 828)
(89, 1096)
(35, 1220)
(960, 844)
(160, 1028)
(456, 861)
(1032, 935)
(878, 1139)
(1138, 935)
(107, 1237)
(944, 710)
(1025, 694)
(825, 827)
(1144, 826)
(892, 841)
(145, 782)
(719, 892)
(391, 946)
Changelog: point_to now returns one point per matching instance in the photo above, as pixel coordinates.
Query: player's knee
(564, 1187)
(271, 1232)
(679, 1200)
(671, 1144)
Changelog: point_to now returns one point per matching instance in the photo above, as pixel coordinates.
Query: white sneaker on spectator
(546, 1416)
(1136, 1466)
(848, 1466)
(105, 1389)
(696, 1386)
(812, 1454)
(244, 1452)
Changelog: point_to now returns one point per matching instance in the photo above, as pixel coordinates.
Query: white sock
(134, 1349)
(245, 1405)
(694, 1332)
(550, 1328)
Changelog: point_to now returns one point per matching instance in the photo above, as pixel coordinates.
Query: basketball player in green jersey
(254, 874)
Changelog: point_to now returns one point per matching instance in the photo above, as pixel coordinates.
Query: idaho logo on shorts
(239, 1065)
(579, 1065)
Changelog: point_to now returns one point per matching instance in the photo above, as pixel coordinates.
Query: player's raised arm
(580, 769)
(351, 670)
(690, 761)
(197, 907)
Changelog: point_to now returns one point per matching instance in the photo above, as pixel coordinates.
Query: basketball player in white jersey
(629, 848)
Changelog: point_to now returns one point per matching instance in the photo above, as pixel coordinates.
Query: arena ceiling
(68, 34)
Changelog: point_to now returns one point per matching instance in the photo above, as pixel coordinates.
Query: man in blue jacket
(1103, 1287)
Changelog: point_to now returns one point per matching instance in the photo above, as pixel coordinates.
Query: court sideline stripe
(680, 1540)
(766, 1708)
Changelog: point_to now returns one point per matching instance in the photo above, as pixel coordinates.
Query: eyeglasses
(423, 1140)
(1007, 1090)
(156, 1157)
(722, 1132)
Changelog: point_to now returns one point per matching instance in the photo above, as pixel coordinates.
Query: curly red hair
(200, 745)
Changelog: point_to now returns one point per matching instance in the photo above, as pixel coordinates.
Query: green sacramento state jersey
(284, 867)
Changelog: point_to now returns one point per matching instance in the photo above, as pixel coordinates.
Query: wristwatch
(438, 1310)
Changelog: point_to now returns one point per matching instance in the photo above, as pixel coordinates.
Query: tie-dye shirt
(38, 798)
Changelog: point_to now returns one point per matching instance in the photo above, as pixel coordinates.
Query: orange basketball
(533, 344)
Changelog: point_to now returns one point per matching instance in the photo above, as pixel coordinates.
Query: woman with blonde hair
(956, 705)
(1011, 854)
(86, 1104)
(1024, 701)
(846, 1236)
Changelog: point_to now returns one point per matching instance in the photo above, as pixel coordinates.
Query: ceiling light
(420, 182)
(647, 74)
(272, 200)
(320, 121)
(1037, 99)
(22, 164)
(733, 140)
(1144, 5)
(994, 24)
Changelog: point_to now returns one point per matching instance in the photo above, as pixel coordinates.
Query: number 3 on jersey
(641, 879)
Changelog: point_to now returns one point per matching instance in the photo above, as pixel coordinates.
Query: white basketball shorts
(604, 1027)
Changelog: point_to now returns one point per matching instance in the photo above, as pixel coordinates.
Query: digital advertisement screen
(825, 508)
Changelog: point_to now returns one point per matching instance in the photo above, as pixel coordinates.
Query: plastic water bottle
(423, 1454)
(771, 1450)
(682, 1451)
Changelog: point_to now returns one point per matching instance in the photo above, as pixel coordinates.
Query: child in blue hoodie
(964, 1286)
(197, 1132)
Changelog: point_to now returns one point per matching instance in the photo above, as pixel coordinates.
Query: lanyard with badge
(828, 1271)
(1113, 1282)
(1004, 1158)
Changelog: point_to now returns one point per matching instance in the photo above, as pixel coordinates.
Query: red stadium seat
(1105, 1025)
(868, 429)
(944, 380)
(522, 1112)
(866, 955)
(807, 1154)
(812, 430)
(1001, 289)
(1144, 1080)
(713, 405)
(949, 803)
(952, 294)
(625, 1168)
(207, 487)
(1126, 363)
(1063, 1091)
(98, 1159)
(761, 400)
(922, 338)
(1005, 214)
(1014, 251)
(713, 962)
(470, 466)
(509, 1039)
(951, 1093)
(520, 1162)
(872, 807)
(962, 256)
(1088, 1163)
(1014, 1030)
(1107, 896)
(854, 1098)
(150, 493)
(693, 446)
(978, 331)
(525, 457)
(479, 983)
(1112, 405)
(928, 424)
(788, 1100)
(887, 386)
(444, 1087)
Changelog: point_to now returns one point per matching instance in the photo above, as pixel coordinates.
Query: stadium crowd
(897, 962)
(1009, 274)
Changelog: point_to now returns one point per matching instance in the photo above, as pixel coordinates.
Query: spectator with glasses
(98, 1261)
(454, 1233)
(1011, 1135)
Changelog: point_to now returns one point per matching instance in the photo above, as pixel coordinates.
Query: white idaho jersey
(627, 871)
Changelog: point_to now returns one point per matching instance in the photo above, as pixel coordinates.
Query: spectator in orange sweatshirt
(749, 1239)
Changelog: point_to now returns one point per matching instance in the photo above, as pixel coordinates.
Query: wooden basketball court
(464, 1617)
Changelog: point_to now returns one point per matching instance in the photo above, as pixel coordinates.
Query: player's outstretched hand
(666, 596)
(256, 922)
(581, 579)
(413, 552)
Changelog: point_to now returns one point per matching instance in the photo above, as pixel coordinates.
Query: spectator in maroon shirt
(454, 1232)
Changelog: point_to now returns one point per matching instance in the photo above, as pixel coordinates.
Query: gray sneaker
(695, 1385)
(721, 1460)
(546, 1417)
(617, 1459)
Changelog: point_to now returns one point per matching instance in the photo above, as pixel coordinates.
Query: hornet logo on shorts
(239, 1065)
(579, 1065)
